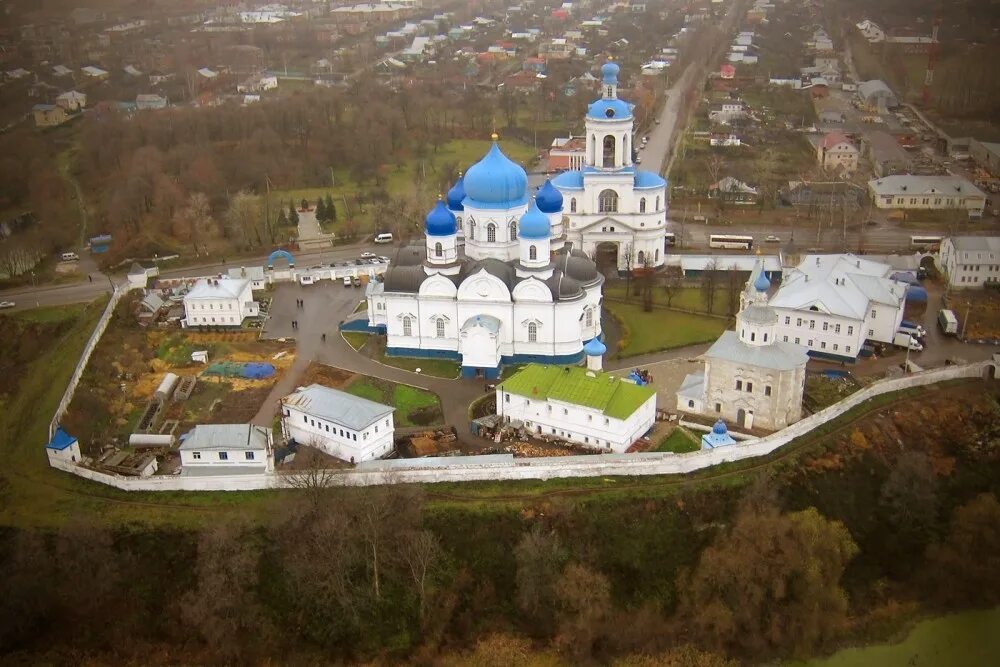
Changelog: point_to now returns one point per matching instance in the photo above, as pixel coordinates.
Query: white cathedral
(613, 208)
(515, 292)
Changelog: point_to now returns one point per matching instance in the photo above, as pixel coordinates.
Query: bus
(926, 242)
(730, 241)
(669, 239)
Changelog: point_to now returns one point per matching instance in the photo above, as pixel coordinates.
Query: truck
(948, 322)
(905, 340)
(912, 328)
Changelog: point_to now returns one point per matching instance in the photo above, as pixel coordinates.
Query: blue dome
(762, 284)
(720, 428)
(534, 224)
(609, 73)
(496, 181)
(549, 199)
(610, 110)
(456, 195)
(440, 221)
(595, 348)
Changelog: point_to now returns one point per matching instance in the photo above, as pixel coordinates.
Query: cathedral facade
(613, 209)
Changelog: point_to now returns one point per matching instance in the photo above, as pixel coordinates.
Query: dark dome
(404, 278)
(563, 287)
(581, 269)
(505, 272)
(410, 255)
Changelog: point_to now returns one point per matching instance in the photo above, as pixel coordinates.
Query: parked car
(771, 238)
(6, 304)
(356, 281)
(367, 255)
(383, 259)
(347, 281)
(912, 328)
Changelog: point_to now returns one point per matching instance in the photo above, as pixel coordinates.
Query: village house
(727, 112)
(986, 155)
(568, 153)
(733, 191)
(836, 152)
(72, 101)
(925, 193)
(147, 101)
(227, 449)
(343, 425)
(63, 447)
(219, 302)
(49, 115)
(581, 405)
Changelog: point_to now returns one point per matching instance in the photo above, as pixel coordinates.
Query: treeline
(846, 544)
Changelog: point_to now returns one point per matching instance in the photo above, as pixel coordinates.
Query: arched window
(513, 230)
(572, 205)
(641, 258)
(440, 327)
(532, 253)
(491, 233)
(472, 230)
(657, 202)
(607, 202)
(609, 151)
(657, 255)
(532, 332)
(438, 250)
(589, 317)
(407, 327)
(642, 205)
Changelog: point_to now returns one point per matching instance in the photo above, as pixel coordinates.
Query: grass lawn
(679, 442)
(968, 639)
(50, 314)
(660, 329)
(686, 298)
(355, 339)
(439, 368)
(405, 398)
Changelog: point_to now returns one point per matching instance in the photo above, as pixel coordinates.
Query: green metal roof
(613, 396)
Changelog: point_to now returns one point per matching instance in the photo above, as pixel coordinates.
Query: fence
(81, 365)
(506, 467)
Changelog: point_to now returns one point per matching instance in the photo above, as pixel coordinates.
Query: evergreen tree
(305, 204)
(320, 210)
(282, 217)
(331, 208)
(293, 215)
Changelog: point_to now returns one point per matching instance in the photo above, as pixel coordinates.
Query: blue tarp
(257, 371)
(916, 294)
(61, 440)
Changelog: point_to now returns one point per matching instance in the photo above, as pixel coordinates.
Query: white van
(69, 257)
(384, 237)
(347, 281)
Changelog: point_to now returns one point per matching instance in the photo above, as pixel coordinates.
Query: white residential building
(927, 193)
(255, 274)
(871, 31)
(751, 377)
(343, 425)
(832, 304)
(227, 449)
(219, 302)
(970, 261)
(836, 152)
(573, 403)
(727, 112)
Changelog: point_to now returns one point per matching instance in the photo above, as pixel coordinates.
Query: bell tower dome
(609, 125)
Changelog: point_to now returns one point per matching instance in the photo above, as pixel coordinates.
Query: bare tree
(673, 281)
(422, 553)
(709, 282)
(733, 288)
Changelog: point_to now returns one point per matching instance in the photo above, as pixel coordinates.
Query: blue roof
(572, 180)
(719, 428)
(61, 440)
(762, 284)
(719, 437)
(440, 221)
(549, 199)
(595, 348)
(610, 110)
(534, 224)
(496, 181)
(647, 179)
(456, 195)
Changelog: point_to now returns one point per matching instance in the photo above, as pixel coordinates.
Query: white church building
(614, 210)
(514, 293)
(751, 378)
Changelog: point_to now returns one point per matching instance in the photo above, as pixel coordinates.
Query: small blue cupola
(534, 223)
(457, 194)
(440, 221)
(595, 348)
(609, 73)
(762, 284)
(549, 199)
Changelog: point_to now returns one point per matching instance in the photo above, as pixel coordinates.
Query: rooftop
(917, 185)
(838, 284)
(976, 243)
(218, 288)
(225, 437)
(337, 406)
(609, 394)
(777, 356)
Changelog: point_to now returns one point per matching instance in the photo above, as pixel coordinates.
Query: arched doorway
(609, 151)
(280, 254)
(741, 417)
(606, 257)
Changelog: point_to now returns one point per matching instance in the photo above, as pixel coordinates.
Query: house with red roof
(836, 151)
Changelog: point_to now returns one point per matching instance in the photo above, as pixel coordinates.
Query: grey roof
(777, 356)
(225, 436)
(563, 287)
(337, 406)
(876, 88)
(152, 302)
(495, 267)
(839, 284)
(759, 315)
(693, 386)
(579, 267)
(976, 243)
(251, 272)
(924, 185)
(411, 255)
(217, 288)
(404, 278)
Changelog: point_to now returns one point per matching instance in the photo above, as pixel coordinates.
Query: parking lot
(324, 305)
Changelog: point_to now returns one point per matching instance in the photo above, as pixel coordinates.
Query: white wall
(234, 457)
(371, 443)
(504, 467)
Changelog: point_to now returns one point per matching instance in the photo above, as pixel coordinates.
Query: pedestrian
(324, 338)
(90, 277)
